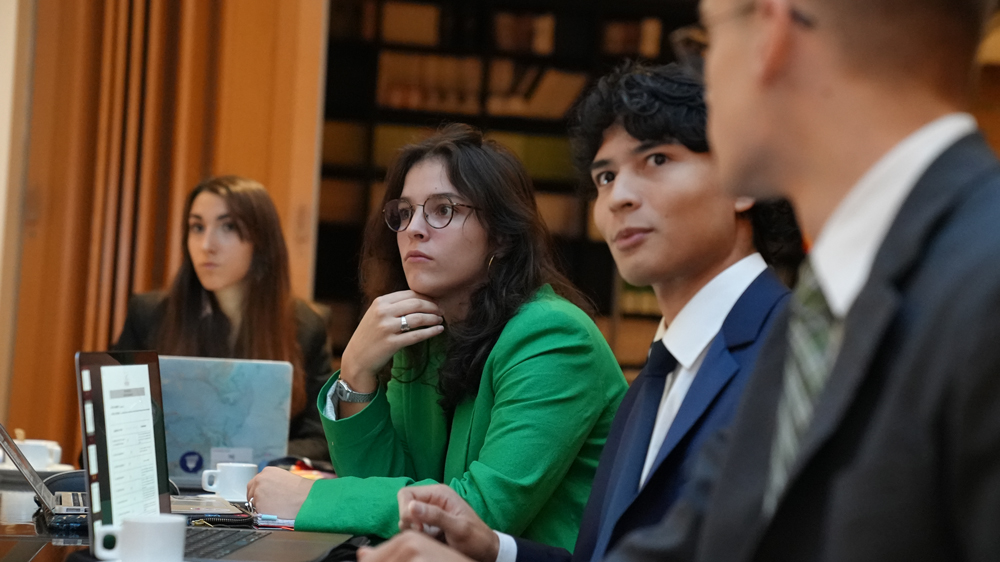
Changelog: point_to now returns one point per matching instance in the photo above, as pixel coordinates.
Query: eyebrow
(447, 194)
(218, 218)
(648, 144)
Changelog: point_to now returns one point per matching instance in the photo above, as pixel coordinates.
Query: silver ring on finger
(403, 325)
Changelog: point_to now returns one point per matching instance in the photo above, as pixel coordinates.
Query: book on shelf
(345, 143)
(561, 213)
(546, 157)
(633, 37)
(529, 91)
(409, 23)
(353, 19)
(342, 201)
(638, 300)
(524, 33)
(428, 82)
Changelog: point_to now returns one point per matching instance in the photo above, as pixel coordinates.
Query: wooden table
(20, 541)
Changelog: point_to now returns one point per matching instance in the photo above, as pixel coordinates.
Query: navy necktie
(660, 362)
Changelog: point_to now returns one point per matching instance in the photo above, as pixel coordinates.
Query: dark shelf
(641, 316)
(589, 7)
(431, 50)
(360, 172)
(572, 64)
(420, 118)
(668, 10)
(556, 186)
(338, 247)
(348, 45)
(527, 125)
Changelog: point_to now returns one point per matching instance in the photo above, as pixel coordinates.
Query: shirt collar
(696, 325)
(846, 246)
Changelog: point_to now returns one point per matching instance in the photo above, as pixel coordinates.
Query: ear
(744, 204)
(775, 38)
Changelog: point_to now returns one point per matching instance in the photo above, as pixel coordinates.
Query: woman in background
(232, 298)
(500, 386)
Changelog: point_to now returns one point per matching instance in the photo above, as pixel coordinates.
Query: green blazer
(523, 452)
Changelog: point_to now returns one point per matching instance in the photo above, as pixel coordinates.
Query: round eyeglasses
(438, 212)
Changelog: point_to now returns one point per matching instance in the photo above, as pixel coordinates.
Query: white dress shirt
(687, 339)
(846, 246)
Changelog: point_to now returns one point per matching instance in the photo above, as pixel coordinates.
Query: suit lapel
(628, 463)
(937, 192)
(742, 327)
(718, 369)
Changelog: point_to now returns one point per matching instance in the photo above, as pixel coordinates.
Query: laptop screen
(122, 420)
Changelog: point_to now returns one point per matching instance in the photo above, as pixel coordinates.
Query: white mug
(155, 537)
(41, 454)
(229, 480)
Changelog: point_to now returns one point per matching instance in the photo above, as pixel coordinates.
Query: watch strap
(347, 394)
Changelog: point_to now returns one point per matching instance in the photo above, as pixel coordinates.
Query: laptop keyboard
(214, 543)
(77, 499)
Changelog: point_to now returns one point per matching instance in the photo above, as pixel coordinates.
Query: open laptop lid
(223, 410)
(121, 412)
(14, 454)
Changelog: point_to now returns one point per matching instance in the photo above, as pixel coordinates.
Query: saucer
(10, 472)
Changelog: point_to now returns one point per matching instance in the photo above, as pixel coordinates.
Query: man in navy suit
(640, 139)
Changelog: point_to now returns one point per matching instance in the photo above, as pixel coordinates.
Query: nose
(208, 240)
(418, 228)
(624, 195)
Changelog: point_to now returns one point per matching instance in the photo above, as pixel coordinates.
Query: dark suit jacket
(616, 505)
(902, 461)
(305, 437)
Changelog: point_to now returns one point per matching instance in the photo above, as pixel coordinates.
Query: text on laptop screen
(128, 419)
(121, 403)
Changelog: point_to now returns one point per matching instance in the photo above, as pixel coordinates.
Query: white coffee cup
(229, 480)
(41, 454)
(155, 537)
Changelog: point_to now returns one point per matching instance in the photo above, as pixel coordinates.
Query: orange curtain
(129, 110)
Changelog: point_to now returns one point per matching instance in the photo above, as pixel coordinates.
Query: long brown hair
(194, 324)
(497, 185)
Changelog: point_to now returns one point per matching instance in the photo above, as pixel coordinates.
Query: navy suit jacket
(616, 505)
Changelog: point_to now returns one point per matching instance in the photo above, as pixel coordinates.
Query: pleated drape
(132, 104)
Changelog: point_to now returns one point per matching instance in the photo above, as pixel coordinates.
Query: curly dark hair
(497, 185)
(667, 103)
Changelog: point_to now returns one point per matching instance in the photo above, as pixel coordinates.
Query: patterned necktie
(814, 337)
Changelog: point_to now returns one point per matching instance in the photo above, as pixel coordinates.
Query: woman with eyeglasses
(232, 298)
(497, 385)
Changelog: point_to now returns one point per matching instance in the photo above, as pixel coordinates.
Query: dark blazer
(616, 505)
(902, 461)
(305, 437)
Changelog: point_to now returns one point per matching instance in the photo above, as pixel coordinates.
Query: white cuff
(508, 548)
(332, 402)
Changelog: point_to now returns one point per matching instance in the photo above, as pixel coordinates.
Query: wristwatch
(344, 393)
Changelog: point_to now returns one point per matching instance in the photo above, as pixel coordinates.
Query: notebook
(223, 410)
(121, 410)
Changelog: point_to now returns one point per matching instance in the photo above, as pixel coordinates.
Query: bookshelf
(399, 69)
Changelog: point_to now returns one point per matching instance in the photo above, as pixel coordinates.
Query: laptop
(223, 410)
(52, 503)
(121, 408)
